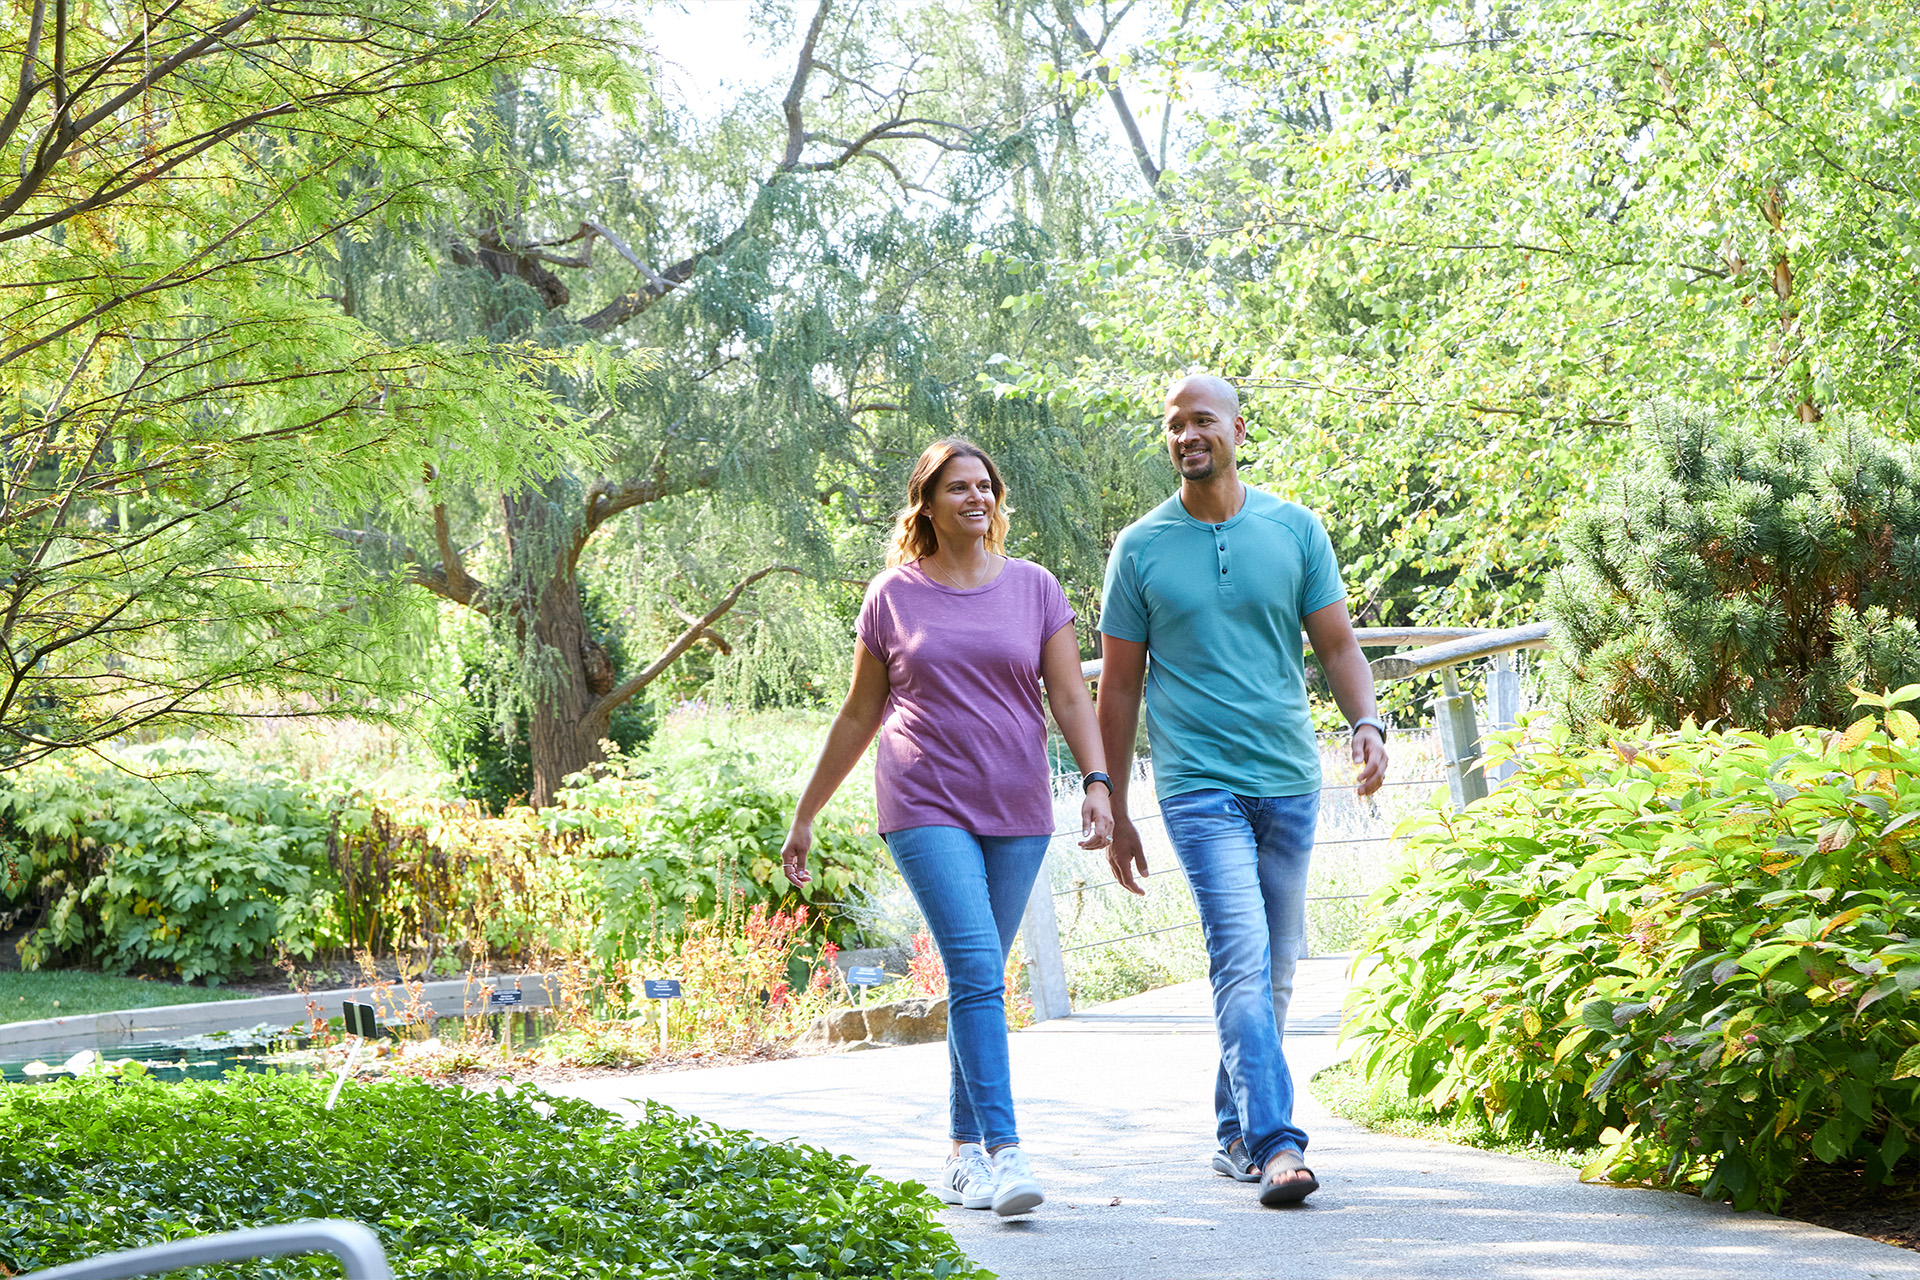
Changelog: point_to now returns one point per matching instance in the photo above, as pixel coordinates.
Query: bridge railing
(1427, 650)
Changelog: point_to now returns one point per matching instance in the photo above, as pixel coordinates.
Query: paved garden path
(1116, 1112)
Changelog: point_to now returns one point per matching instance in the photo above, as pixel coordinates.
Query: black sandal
(1237, 1167)
(1273, 1191)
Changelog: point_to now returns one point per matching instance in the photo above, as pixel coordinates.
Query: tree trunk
(561, 737)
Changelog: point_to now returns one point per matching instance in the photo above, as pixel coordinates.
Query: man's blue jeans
(1246, 860)
(972, 890)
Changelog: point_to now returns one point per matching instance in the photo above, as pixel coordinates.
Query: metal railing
(357, 1248)
(1436, 649)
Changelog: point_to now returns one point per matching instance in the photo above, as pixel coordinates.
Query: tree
(1444, 248)
(1750, 576)
(176, 403)
(810, 336)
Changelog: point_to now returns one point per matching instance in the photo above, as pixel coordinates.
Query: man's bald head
(1214, 387)
(1203, 426)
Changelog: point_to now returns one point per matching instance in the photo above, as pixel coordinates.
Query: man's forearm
(1351, 679)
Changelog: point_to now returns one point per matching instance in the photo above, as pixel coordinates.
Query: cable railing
(1456, 733)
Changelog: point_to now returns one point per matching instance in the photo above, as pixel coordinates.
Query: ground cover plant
(26, 995)
(1697, 948)
(456, 1183)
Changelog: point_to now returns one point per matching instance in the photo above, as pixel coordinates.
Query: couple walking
(956, 641)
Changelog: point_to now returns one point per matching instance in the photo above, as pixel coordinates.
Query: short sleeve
(1320, 583)
(872, 627)
(1055, 612)
(1123, 609)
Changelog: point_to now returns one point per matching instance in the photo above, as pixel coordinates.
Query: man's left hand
(1369, 760)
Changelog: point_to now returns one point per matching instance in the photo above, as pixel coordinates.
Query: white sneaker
(968, 1179)
(1014, 1188)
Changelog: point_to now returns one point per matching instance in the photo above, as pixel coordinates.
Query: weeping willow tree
(176, 404)
(804, 339)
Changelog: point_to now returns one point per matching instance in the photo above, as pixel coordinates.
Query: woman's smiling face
(962, 503)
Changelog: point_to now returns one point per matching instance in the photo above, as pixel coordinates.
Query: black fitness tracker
(1092, 778)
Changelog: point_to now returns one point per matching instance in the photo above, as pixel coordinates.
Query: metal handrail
(1369, 638)
(1488, 644)
(357, 1248)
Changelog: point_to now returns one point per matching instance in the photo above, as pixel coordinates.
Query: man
(1215, 586)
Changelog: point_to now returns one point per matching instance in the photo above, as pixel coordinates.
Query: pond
(266, 1047)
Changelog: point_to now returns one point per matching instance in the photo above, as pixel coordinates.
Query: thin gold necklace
(926, 567)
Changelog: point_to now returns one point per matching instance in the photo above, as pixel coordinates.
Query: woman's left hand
(1096, 818)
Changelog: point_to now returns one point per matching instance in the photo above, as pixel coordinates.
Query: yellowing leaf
(1903, 727)
(1909, 1064)
(1842, 920)
(1855, 735)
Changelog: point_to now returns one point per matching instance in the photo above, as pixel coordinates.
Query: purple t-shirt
(964, 742)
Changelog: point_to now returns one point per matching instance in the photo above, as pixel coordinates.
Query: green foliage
(1384, 1107)
(188, 872)
(698, 838)
(1698, 949)
(456, 1184)
(1443, 247)
(186, 402)
(1745, 576)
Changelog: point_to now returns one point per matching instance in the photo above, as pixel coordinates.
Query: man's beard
(1204, 471)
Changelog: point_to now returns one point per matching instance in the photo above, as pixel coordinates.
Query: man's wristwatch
(1375, 721)
(1091, 778)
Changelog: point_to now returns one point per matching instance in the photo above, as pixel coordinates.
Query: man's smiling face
(1204, 427)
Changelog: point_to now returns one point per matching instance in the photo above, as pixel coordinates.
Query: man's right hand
(1125, 855)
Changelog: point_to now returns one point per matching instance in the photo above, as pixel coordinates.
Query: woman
(954, 642)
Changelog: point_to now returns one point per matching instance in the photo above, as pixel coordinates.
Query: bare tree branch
(1063, 10)
(625, 690)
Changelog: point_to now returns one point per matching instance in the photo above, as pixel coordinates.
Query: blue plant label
(361, 1020)
(866, 975)
(497, 998)
(663, 988)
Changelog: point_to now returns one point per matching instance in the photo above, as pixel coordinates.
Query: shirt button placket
(1220, 536)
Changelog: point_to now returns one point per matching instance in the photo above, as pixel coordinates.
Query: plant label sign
(663, 988)
(361, 1020)
(498, 998)
(866, 975)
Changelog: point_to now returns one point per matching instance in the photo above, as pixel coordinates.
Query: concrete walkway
(1116, 1113)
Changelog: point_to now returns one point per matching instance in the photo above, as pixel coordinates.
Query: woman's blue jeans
(1246, 859)
(972, 890)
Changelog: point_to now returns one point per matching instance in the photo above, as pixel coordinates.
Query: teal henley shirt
(1219, 608)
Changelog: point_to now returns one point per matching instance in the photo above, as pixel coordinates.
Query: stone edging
(455, 997)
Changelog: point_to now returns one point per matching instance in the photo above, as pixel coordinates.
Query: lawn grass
(1342, 1090)
(61, 993)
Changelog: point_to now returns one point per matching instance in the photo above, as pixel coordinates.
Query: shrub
(1698, 948)
(678, 840)
(1745, 576)
(456, 1184)
(430, 876)
(187, 873)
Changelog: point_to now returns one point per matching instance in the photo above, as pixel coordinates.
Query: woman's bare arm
(847, 740)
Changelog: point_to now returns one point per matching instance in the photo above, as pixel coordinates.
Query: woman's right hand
(793, 854)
